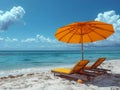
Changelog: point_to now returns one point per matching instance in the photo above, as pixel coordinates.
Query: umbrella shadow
(111, 80)
(104, 80)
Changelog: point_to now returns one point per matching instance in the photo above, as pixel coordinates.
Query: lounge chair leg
(88, 78)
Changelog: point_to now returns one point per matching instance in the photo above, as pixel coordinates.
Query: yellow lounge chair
(76, 69)
(94, 66)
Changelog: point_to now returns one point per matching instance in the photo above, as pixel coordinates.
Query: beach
(40, 39)
(45, 80)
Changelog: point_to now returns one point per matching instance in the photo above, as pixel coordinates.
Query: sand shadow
(111, 80)
(105, 80)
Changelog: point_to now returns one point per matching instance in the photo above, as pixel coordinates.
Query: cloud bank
(40, 42)
(37, 42)
(112, 18)
(10, 17)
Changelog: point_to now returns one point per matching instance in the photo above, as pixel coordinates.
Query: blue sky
(31, 24)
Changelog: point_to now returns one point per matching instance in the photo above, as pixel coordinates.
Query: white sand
(47, 81)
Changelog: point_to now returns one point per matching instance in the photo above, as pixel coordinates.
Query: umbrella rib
(71, 37)
(63, 31)
(90, 38)
(65, 34)
(99, 34)
(102, 29)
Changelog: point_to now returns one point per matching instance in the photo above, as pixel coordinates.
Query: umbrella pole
(82, 45)
(82, 52)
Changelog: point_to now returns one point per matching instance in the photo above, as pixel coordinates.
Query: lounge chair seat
(76, 69)
(62, 70)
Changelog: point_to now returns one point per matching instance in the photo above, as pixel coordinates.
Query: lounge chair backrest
(79, 66)
(97, 63)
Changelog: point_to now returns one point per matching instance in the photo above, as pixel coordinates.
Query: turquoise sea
(13, 60)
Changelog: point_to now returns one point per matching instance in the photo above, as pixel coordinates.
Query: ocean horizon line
(90, 48)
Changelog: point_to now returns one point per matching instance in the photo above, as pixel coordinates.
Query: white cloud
(29, 40)
(1, 39)
(11, 39)
(8, 39)
(108, 16)
(39, 38)
(1, 12)
(10, 17)
(114, 19)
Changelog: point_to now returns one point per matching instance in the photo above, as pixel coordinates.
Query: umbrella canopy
(84, 32)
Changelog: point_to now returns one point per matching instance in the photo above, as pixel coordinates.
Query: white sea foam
(28, 70)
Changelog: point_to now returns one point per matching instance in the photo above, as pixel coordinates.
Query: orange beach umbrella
(84, 32)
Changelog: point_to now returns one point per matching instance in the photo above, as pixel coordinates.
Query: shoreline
(13, 72)
(45, 80)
